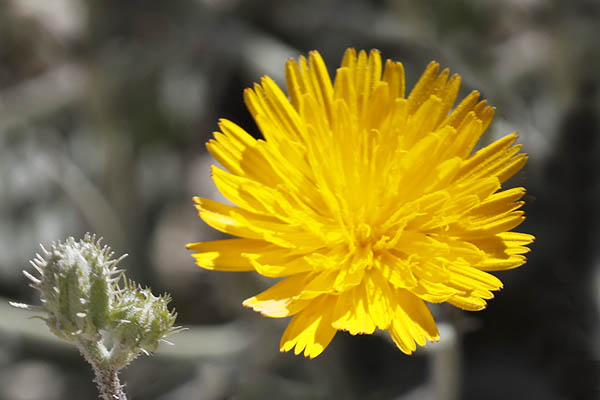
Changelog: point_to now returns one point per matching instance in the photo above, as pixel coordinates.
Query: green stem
(109, 385)
(107, 377)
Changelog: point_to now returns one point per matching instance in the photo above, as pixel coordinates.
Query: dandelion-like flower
(368, 203)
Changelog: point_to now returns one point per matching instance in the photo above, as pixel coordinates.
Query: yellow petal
(222, 217)
(310, 330)
(503, 250)
(393, 75)
(448, 95)
(322, 88)
(469, 279)
(268, 100)
(234, 220)
(498, 203)
(497, 159)
(279, 300)
(352, 313)
(468, 302)
(477, 229)
(318, 283)
(379, 298)
(275, 262)
(423, 88)
(412, 323)
(226, 255)
(397, 271)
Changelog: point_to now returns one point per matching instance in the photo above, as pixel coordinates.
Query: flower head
(367, 202)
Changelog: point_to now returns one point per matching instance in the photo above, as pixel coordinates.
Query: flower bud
(139, 319)
(85, 303)
(77, 284)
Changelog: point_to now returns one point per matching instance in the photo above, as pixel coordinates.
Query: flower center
(363, 235)
(363, 247)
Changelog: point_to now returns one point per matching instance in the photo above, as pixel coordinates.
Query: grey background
(105, 107)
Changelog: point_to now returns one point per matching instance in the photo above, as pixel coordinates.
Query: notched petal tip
(250, 302)
(190, 246)
(432, 65)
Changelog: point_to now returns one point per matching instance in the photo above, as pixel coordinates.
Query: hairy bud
(88, 301)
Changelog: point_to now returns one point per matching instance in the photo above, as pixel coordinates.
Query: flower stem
(109, 385)
(107, 378)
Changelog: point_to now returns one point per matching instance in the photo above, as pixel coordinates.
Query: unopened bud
(78, 282)
(139, 320)
(88, 301)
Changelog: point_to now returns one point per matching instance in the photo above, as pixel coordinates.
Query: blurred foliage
(104, 110)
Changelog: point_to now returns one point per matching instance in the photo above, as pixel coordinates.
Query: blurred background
(105, 107)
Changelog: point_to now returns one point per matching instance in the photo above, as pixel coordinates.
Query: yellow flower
(368, 202)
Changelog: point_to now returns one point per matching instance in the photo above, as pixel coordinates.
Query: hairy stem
(108, 385)
(107, 378)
